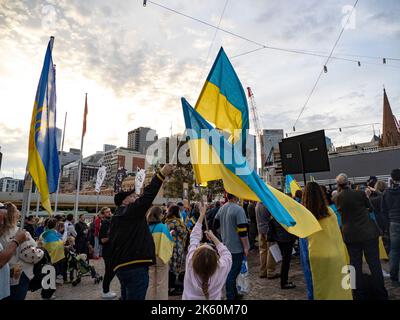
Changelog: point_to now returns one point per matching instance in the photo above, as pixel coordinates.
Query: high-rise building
(108, 147)
(90, 166)
(122, 157)
(141, 138)
(9, 184)
(70, 156)
(390, 127)
(271, 137)
(251, 151)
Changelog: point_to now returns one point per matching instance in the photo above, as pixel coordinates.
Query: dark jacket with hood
(131, 243)
(391, 204)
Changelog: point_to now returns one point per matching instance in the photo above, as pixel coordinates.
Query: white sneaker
(109, 295)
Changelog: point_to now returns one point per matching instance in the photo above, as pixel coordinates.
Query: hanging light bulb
(325, 69)
(294, 129)
(384, 60)
(359, 63)
(144, 3)
(340, 129)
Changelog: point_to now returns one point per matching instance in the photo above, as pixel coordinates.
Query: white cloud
(137, 62)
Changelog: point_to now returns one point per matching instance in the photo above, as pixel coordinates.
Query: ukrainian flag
(291, 185)
(43, 162)
(53, 244)
(323, 255)
(222, 100)
(213, 158)
(163, 241)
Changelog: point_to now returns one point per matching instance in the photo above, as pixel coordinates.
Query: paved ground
(261, 289)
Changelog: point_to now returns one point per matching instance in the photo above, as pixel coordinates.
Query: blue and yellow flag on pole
(43, 162)
(222, 100)
(213, 158)
(291, 185)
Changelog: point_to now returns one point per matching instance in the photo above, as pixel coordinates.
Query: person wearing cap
(6, 253)
(131, 243)
(361, 236)
(391, 210)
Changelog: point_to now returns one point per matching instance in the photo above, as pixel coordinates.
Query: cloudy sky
(136, 62)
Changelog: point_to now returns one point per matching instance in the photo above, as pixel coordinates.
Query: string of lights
(265, 46)
(340, 129)
(325, 68)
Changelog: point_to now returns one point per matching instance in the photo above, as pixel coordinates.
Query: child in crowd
(206, 268)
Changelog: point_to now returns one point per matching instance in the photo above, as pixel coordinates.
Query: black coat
(276, 233)
(355, 208)
(105, 233)
(391, 204)
(131, 243)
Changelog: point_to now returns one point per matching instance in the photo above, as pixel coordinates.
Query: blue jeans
(19, 291)
(134, 282)
(231, 290)
(394, 250)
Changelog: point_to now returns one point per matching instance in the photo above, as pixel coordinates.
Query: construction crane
(258, 130)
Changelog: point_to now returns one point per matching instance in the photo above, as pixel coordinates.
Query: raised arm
(145, 201)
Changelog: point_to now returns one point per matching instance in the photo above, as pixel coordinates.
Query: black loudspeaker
(305, 153)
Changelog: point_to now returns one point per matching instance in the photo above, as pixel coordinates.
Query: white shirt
(4, 279)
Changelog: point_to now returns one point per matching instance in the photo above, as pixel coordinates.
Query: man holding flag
(43, 162)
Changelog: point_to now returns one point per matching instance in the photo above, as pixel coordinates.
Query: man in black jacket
(391, 209)
(105, 243)
(360, 234)
(81, 241)
(131, 243)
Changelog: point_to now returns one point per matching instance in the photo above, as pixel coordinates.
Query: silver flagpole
(78, 183)
(60, 158)
(97, 202)
(37, 203)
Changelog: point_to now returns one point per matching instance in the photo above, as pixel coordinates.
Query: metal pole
(78, 183)
(97, 203)
(37, 202)
(26, 202)
(302, 165)
(61, 155)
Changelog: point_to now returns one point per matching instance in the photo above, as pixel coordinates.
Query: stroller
(78, 266)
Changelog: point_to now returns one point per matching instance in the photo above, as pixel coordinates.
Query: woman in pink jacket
(206, 268)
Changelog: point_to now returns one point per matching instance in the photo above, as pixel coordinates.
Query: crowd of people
(196, 251)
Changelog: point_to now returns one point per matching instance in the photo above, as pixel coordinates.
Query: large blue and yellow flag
(43, 162)
(323, 256)
(213, 158)
(291, 185)
(222, 100)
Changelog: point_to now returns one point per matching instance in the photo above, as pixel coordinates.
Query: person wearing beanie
(391, 210)
(131, 243)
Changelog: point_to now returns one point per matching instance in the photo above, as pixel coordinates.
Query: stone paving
(261, 289)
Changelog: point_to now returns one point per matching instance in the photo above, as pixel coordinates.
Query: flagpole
(37, 202)
(26, 201)
(78, 183)
(97, 202)
(61, 156)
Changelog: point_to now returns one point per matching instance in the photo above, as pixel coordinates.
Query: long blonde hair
(205, 263)
(10, 219)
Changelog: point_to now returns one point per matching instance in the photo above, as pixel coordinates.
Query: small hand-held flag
(43, 161)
